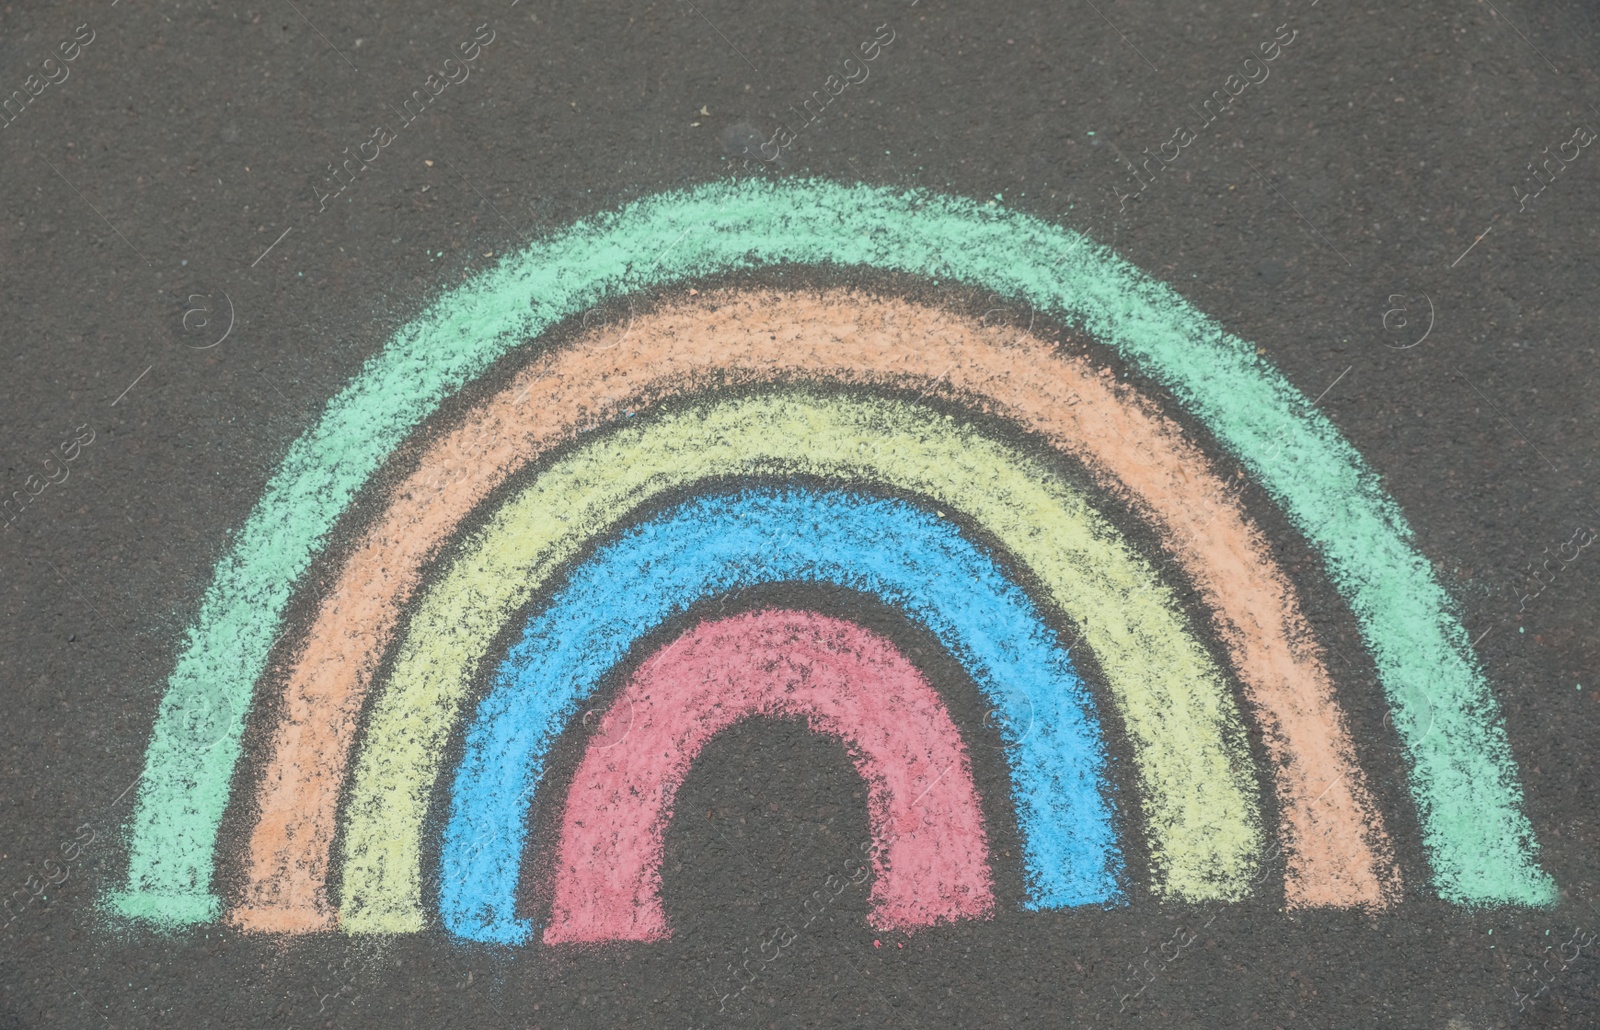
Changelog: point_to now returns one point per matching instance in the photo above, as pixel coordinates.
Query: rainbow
(974, 479)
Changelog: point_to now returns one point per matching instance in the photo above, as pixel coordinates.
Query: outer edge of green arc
(1463, 777)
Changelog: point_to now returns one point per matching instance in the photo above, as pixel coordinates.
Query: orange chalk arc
(1338, 850)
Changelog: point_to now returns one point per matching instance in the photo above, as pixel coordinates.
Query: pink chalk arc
(932, 861)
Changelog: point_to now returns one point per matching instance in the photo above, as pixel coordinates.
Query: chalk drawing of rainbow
(596, 493)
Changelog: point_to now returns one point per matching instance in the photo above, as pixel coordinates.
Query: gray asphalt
(1371, 189)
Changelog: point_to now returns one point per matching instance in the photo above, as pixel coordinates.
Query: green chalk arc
(1462, 776)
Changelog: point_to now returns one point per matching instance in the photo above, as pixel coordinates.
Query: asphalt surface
(1353, 214)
